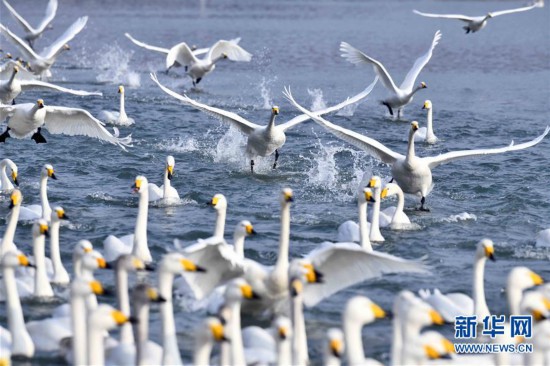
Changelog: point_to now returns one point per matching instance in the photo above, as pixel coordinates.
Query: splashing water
(318, 103)
(112, 64)
(265, 92)
(179, 144)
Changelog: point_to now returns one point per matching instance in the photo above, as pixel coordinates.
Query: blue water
(487, 89)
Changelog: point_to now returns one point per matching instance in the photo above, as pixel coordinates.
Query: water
(487, 89)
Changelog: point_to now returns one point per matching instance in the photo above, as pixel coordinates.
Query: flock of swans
(215, 275)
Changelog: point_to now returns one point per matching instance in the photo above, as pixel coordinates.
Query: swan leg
(38, 138)
(389, 108)
(5, 135)
(199, 80)
(399, 113)
(467, 29)
(251, 165)
(276, 158)
(422, 202)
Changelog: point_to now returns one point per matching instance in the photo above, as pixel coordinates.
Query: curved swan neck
(141, 247)
(42, 286)
(4, 180)
(237, 349)
(170, 354)
(363, 228)
(354, 344)
(238, 244)
(299, 340)
(478, 290)
(78, 324)
(7, 241)
(220, 223)
(46, 209)
(123, 302)
(21, 340)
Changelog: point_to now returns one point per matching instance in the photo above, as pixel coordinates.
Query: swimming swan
(44, 210)
(426, 134)
(402, 95)
(412, 173)
(6, 187)
(165, 192)
(117, 118)
(262, 140)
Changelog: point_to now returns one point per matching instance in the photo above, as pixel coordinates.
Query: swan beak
(384, 193)
(283, 332)
(119, 317)
(51, 174)
(218, 332)
(15, 198)
(436, 318)
(137, 186)
(170, 170)
(102, 263)
(250, 230)
(189, 266)
(44, 230)
(23, 260)
(296, 287)
(248, 293)
(423, 85)
(377, 311)
(120, 89)
(538, 315)
(414, 125)
(61, 215)
(372, 183)
(368, 196)
(275, 110)
(546, 303)
(312, 275)
(14, 178)
(97, 288)
(431, 353)
(154, 296)
(489, 253)
(87, 249)
(537, 280)
(289, 197)
(15, 69)
(138, 264)
(336, 347)
(213, 202)
(40, 103)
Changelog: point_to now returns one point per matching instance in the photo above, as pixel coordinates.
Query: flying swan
(402, 95)
(31, 33)
(262, 140)
(411, 172)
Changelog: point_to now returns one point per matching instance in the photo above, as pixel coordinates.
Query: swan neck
(299, 340)
(4, 180)
(395, 357)
(96, 350)
(237, 349)
(78, 324)
(271, 123)
(54, 248)
(238, 243)
(220, 223)
(141, 331)
(363, 227)
(284, 237)
(122, 109)
(429, 125)
(354, 343)
(166, 185)
(141, 247)
(42, 286)
(12, 78)
(170, 355)
(514, 298)
(7, 241)
(201, 356)
(375, 234)
(410, 147)
(284, 352)
(123, 302)
(46, 210)
(400, 205)
(478, 290)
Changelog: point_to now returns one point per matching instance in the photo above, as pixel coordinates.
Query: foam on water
(112, 65)
(464, 216)
(179, 144)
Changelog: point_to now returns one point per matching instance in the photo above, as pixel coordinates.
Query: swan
(543, 238)
(394, 217)
(269, 346)
(60, 274)
(165, 191)
(40, 63)
(402, 95)
(477, 23)
(261, 140)
(219, 203)
(42, 211)
(136, 243)
(333, 347)
(34, 33)
(359, 311)
(350, 231)
(117, 118)
(211, 330)
(412, 173)
(519, 279)
(21, 342)
(375, 183)
(42, 286)
(426, 134)
(28, 119)
(6, 187)
(6, 243)
(11, 88)
(298, 280)
(457, 304)
(429, 347)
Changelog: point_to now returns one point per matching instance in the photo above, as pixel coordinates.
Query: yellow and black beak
(102, 263)
(289, 197)
(190, 266)
(120, 318)
(537, 280)
(15, 199)
(218, 332)
(14, 178)
(40, 103)
(170, 170)
(336, 348)
(378, 312)
(44, 230)
(154, 295)
(423, 85)
(436, 318)
(51, 174)
(275, 110)
(369, 197)
(61, 215)
(384, 193)
(120, 89)
(97, 288)
(137, 186)
(248, 292)
(214, 201)
(296, 287)
(24, 261)
(489, 253)
(250, 230)
(414, 125)
(312, 275)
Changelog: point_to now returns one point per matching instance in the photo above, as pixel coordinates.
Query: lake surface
(487, 89)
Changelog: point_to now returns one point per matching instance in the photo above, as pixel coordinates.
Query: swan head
(218, 202)
(422, 85)
(83, 287)
(82, 247)
(140, 184)
(283, 328)
(13, 259)
(536, 304)
(367, 195)
(420, 314)
(176, 263)
(287, 196)
(66, 47)
(489, 16)
(244, 229)
(275, 110)
(390, 189)
(435, 346)
(48, 171)
(144, 294)
(16, 198)
(129, 262)
(94, 260)
(40, 103)
(211, 330)
(15, 69)
(485, 249)
(58, 214)
(121, 89)
(361, 310)
(40, 228)
(106, 317)
(305, 270)
(335, 342)
(237, 290)
(8, 56)
(224, 55)
(521, 278)
(427, 105)
(170, 163)
(375, 182)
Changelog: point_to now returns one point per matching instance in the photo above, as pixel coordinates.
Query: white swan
(375, 183)
(29, 118)
(60, 275)
(166, 191)
(6, 243)
(42, 211)
(262, 140)
(117, 118)
(543, 238)
(298, 280)
(333, 347)
(477, 23)
(457, 304)
(359, 311)
(519, 279)
(31, 33)
(402, 95)
(136, 243)
(6, 186)
(40, 63)
(426, 134)
(350, 231)
(42, 286)
(393, 216)
(412, 173)
(11, 88)
(269, 346)
(211, 330)
(21, 342)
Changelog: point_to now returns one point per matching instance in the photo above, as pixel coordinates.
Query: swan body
(40, 63)
(394, 217)
(117, 118)
(6, 186)
(44, 210)
(477, 23)
(11, 88)
(351, 231)
(262, 140)
(137, 243)
(271, 346)
(26, 120)
(426, 134)
(456, 304)
(412, 173)
(32, 33)
(166, 191)
(402, 95)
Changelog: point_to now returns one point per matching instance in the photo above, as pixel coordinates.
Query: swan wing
(66, 37)
(462, 301)
(365, 143)
(47, 333)
(146, 46)
(304, 117)
(355, 56)
(75, 121)
(51, 10)
(228, 117)
(453, 155)
(114, 247)
(537, 4)
(23, 47)
(231, 48)
(443, 305)
(182, 54)
(30, 213)
(155, 193)
(218, 259)
(6, 70)
(37, 84)
(345, 264)
(7, 111)
(19, 18)
(419, 64)
(202, 51)
(348, 231)
(464, 18)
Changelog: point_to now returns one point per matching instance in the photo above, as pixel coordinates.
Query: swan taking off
(262, 140)
(411, 172)
(28, 119)
(477, 23)
(31, 33)
(117, 118)
(402, 95)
